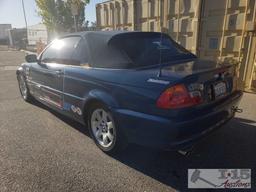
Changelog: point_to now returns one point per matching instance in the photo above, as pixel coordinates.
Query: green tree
(57, 16)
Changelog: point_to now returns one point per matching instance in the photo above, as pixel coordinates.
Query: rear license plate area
(220, 89)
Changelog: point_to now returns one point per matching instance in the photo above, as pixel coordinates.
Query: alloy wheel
(103, 127)
(23, 87)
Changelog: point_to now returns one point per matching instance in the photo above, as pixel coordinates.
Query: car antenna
(160, 58)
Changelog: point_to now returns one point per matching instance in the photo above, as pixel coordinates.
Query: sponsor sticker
(219, 178)
(67, 106)
(73, 108)
(76, 110)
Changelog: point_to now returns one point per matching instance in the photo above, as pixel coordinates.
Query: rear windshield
(149, 49)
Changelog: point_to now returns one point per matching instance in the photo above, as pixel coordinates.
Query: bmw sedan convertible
(132, 87)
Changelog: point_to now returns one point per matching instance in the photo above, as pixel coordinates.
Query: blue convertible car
(132, 87)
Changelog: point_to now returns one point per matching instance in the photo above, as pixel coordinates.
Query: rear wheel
(24, 91)
(104, 131)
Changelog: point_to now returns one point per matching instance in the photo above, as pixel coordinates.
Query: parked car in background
(131, 87)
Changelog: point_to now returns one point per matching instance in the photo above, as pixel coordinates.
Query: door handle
(59, 73)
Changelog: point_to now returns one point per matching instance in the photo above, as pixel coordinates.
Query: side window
(61, 51)
(81, 53)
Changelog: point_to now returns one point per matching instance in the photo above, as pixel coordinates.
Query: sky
(11, 12)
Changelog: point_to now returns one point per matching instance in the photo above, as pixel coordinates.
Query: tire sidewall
(113, 146)
(20, 77)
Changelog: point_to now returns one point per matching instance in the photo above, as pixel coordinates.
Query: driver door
(48, 73)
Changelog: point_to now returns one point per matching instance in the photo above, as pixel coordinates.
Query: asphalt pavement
(43, 151)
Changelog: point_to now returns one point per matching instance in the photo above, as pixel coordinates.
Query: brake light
(178, 97)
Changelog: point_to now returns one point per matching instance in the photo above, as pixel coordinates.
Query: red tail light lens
(178, 97)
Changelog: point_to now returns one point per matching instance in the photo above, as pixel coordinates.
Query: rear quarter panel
(110, 87)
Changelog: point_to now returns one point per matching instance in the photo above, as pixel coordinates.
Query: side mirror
(31, 58)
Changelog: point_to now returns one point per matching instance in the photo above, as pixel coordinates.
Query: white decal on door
(76, 110)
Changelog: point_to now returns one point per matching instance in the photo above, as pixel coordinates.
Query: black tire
(119, 140)
(24, 94)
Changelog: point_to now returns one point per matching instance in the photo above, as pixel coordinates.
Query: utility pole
(24, 12)
(75, 22)
(25, 18)
(74, 11)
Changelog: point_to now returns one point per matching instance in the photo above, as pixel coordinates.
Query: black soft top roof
(107, 35)
(101, 53)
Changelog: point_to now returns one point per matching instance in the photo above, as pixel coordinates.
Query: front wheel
(104, 131)
(24, 91)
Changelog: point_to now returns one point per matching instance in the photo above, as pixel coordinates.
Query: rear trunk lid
(212, 80)
(204, 75)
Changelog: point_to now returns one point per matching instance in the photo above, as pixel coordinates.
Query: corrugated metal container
(225, 31)
(183, 22)
(220, 30)
(115, 15)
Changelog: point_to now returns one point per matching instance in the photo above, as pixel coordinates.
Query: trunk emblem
(158, 81)
(196, 86)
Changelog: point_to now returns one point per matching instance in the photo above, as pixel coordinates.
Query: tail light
(178, 97)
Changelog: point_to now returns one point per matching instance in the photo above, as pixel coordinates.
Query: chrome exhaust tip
(186, 151)
(236, 109)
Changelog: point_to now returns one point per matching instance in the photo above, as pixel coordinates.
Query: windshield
(149, 49)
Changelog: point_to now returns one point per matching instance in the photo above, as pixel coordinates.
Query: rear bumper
(155, 131)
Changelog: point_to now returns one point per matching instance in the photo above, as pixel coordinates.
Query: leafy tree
(57, 16)
(89, 26)
(94, 24)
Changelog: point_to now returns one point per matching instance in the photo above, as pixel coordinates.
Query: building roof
(38, 26)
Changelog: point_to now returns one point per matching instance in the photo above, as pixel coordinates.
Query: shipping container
(219, 30)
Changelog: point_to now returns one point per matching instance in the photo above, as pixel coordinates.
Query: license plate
(220, 89)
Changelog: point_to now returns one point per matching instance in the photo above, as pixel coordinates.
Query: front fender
(23, 69)
(20, 70)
